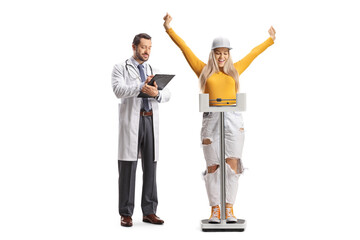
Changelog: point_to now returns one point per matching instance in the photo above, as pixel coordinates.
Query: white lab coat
(126, 83)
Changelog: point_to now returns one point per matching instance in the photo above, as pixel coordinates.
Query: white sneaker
(230, 218)
(215, 215)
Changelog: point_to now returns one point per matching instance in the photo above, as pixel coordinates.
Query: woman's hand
(272, 33)
(167, 20)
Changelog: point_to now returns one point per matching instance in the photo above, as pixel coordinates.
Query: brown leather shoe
(152, 218)
(126, 221)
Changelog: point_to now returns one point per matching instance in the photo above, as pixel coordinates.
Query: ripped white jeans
(234, 142)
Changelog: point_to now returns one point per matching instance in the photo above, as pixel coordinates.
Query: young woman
(220, 79)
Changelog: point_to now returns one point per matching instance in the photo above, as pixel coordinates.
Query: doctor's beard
(141, 58)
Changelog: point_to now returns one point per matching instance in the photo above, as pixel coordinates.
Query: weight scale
(240, 106)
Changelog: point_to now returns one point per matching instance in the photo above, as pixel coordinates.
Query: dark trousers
(127, 174)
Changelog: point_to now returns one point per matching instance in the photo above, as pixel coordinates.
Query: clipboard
(161, 80)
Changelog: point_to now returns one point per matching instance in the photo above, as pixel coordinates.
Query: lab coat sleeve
(119, 85)
(164, 95)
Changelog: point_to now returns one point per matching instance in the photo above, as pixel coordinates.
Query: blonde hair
(212, 67)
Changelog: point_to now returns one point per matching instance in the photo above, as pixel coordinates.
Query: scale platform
(239, 226)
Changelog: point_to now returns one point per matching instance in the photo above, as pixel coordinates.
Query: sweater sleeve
(195, 63)
(247, 60)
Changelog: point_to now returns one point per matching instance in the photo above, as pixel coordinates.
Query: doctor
(138, 130)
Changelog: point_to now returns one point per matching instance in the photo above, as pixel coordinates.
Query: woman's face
(221, 56)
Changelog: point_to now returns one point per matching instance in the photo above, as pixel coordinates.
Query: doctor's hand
(149, 79)
(167, 20)
(150, 90)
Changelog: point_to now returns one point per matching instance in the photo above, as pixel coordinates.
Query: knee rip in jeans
(206, 141)
(242, 129)
(235, 164)
(213, 168)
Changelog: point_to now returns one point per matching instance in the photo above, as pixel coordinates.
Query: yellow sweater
(218, 85)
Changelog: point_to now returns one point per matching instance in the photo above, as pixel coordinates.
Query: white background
(59, 119)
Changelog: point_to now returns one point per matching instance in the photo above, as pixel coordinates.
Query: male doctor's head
(141, 47)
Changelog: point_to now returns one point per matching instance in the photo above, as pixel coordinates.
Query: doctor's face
(142, 50)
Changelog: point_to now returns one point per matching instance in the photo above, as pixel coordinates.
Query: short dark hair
(138, 37)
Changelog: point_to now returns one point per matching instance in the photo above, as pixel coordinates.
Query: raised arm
(247, 60)
(195, 63)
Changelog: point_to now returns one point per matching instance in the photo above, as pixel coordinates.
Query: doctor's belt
(144, 113)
